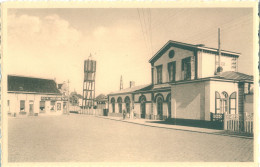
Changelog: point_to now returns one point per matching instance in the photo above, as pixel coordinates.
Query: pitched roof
(79, 96)
(191, 47)
(32, 85)
(129, 90)
(231, 75)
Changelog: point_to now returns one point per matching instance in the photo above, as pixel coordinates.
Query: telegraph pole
(219, 47)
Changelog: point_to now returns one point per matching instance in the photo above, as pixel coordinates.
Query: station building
(34, 96)
(186, 84)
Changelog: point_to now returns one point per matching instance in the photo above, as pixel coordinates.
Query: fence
(97, 112)
(239, 122)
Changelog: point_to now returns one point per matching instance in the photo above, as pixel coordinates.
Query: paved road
(80, 138)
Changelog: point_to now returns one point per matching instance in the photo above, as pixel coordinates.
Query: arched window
(127, 104)
(113, 104)
(233, 103)
(217, 103)
(119, 101)
(224, 102)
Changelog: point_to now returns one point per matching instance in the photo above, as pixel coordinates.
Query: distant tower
(89, 83)
(121, 83)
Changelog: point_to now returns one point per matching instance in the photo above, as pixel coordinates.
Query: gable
(178, 55)
(189, 47)
(169, 46)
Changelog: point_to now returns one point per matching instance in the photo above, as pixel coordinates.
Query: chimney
(132, 84)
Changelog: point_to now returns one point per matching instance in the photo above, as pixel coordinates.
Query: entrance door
(31, 112)
(127, 103)
(64, 107)
(160, 107)
(142, 108)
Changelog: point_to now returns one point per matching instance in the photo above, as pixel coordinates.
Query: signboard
(54, 98)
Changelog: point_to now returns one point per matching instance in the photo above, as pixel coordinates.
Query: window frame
(42, 110)
(159, 74)
(22, 110)
(172, 73)
(187, 74)
(233, 96)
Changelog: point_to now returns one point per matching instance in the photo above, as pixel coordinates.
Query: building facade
(186, 83)
(33, 97)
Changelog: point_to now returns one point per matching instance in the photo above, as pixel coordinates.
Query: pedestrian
(124, 114)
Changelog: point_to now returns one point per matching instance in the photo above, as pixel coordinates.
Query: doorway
(169, 106)
(143, 107)
(31, 111)
(160, 107)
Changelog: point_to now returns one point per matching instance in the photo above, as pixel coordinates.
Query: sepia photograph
(129, 84)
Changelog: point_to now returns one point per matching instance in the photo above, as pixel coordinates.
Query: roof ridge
(31, 77)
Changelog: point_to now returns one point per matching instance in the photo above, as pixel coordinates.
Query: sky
(53, 43)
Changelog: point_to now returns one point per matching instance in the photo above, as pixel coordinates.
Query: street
(82, 138)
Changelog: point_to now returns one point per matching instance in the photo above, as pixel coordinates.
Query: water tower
(89, 83)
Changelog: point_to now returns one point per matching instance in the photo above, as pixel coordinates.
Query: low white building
(34, 96)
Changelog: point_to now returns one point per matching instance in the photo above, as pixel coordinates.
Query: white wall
(188, 101)
(14, 103)
(208, 64)
(221, 86)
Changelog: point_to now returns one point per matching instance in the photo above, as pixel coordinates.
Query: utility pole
(219, 47)
(121, 83)
(218, 66)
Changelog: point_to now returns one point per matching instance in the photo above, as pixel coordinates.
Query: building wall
(188, 101)
(123, 96)
(249, 103)
(164, 60)
(14, 103)
(137, 106)
(207, 67)
(221, 86)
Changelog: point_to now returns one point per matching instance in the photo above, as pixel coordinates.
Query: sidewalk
(158, 124)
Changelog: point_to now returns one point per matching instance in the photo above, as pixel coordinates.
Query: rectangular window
(172, 71)
(42, 106)
(8, 103)
(186, 68)
(52, 105)
(22, 105)
(159, 74)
